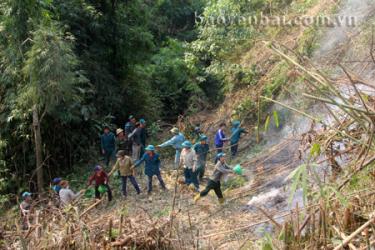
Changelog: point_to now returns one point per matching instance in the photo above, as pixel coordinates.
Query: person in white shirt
(188, 160)
(66, 194)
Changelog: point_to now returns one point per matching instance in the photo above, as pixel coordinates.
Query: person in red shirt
(101, 179)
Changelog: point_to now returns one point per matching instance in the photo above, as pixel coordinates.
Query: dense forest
(79, 65)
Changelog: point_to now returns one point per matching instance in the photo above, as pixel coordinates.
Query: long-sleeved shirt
(136, 136)
(188, 158)
(220, 138)
(201, 150)
(236, 134)
(129, 127)
(108, 141)
(67, 196)
(100, 179)
(152, 164)
(221, 170)
(124, 165)
(176, 141)
(144, 136)
(124, 144)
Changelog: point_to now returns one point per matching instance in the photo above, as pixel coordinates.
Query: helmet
(150, 148)
(219, 155)
(186, 144)
(142, 121)
(197, 129)
(203, 138)
(131, 117)
(56, 180)
(25, 194)
(97, 168)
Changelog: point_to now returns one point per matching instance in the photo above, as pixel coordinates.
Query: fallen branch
(342, 105)
(91, 207)
(355, 233)
(344, 237)
(270, 218)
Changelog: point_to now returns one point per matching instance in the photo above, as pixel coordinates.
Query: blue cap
(203, 138)
(187, 144)
(25, 194)
(150, 148)
(56, 180)
(236, 123)
(97, 168)
(219, 155)
(142, 121)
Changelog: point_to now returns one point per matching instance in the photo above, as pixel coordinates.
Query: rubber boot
(221, 201)
(197, 197)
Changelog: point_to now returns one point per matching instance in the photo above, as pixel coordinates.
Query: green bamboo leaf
(299, 179)
(339, 196)
(267, 123)
(315, 150)
(276, 118)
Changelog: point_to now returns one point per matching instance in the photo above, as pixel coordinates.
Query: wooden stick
(355, 233)
(342, 105)
(171, 216)
(91, 207)
(344, 237)
(120, 226)
(110, 230)
(270, 218)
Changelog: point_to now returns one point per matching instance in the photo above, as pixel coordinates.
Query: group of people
(129, 147)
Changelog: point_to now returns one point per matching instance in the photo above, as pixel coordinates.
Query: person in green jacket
(237, 131)
(108, 145)
(201, 150)
(144, 134)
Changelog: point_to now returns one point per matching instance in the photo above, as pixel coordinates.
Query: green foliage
(85, 64)
(276, 118)
(162, 213)
(267, 123)
(315, 150)
(278, 78)
(267, 243)
(307, 43)
(299, 178)
(246, 109)
(235, 182)
(50, 68)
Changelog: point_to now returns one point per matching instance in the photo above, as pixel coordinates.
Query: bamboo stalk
(91, 207)
(120, 226)
(110, 229)
(355, 233)
(343, 236)
(312, 118)
(298, 226)
(171, 216)
(270, 218)
(341, 105)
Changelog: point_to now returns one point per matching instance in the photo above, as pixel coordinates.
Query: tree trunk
(38, 149)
